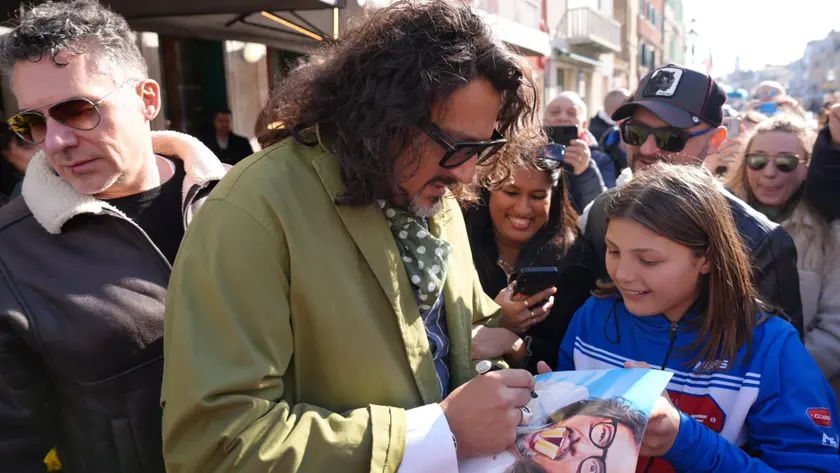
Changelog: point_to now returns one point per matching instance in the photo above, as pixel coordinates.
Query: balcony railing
(591, 30)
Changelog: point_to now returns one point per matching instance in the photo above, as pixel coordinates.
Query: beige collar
(53, 201)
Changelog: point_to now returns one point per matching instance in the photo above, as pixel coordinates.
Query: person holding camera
(590, 171)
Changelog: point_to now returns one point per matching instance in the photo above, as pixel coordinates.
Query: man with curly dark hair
(320, 312)
(87, 251)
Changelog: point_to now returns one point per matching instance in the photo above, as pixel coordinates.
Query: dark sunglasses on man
(669, 139)
(784, 162)
(79, 113)
(459, 152)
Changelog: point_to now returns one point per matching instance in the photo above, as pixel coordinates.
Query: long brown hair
(549, 245)
(368, 91)
(684, 204)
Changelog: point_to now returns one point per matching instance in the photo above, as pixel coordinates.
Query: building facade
(817, 72)
(585, 38)
(651, 19)
(520, 24)
(673, 33)
(626, 63)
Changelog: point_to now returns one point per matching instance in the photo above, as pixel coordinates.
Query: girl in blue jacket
(745, 396)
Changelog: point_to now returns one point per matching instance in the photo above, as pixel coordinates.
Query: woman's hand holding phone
(517, 315)
(578, 156)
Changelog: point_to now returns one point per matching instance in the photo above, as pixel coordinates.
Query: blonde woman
(771, 179)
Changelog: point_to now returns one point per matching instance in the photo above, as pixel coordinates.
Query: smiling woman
(771, 179)
(529, 222)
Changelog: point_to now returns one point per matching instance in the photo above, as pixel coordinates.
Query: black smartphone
(533, 280)
(562, 135)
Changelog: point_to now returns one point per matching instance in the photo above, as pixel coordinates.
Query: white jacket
(819, 286)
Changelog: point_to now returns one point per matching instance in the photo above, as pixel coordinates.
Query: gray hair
(74, 27)
(575, 98)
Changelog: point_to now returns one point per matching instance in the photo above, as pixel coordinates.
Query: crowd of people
(321, 304)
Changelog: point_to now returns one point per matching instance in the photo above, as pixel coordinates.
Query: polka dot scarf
(424, 255)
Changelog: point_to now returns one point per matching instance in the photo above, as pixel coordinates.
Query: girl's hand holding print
(664, 423)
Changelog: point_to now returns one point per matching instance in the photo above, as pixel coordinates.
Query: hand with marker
(483, 414)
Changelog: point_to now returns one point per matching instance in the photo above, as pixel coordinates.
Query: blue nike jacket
(773, 411)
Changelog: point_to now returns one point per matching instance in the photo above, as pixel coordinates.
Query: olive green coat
(293, 340)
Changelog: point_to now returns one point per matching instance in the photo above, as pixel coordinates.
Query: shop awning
(132, 9)
(298, 25)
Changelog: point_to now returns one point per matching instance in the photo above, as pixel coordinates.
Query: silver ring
(526, 415)
(533, 316)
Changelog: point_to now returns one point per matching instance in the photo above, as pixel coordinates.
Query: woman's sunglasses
(459, 152)
(783, 162)
(667, 139)
(78, 113)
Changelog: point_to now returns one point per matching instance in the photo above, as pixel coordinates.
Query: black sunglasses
(459, 152)
(78, 113)
(602, 436)
(784, 162)
(669, 139)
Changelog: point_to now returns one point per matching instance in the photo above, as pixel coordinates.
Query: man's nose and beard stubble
(469, 114)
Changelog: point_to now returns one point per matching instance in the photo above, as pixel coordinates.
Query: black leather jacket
(771, 248)
(81, 336)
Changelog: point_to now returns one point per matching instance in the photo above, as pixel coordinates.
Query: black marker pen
(486, 366)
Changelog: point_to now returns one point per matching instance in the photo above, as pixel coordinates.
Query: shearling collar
(53, 201)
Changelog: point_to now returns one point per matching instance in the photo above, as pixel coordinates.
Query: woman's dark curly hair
(367, 91)
(547, 247)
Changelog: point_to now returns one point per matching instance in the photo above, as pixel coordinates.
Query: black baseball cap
(680, 97)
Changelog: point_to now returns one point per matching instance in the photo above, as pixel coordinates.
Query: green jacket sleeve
(228, 387)
(487, 311)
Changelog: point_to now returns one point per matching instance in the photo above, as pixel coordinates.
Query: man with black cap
(675, 116)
